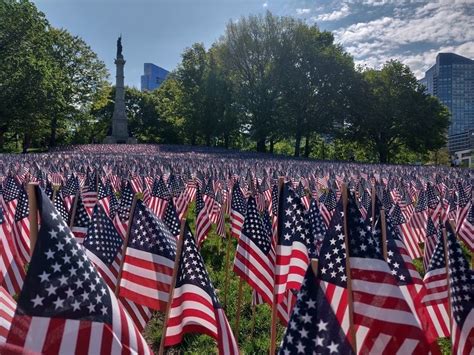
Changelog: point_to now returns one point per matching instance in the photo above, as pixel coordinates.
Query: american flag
(21, 227)
(383, 319)
(203, 222)
(195, 307)
(11, 191)
(12, 273)
(409, 238)
(159, 197)
(328, 205)
(317, 230)
(314, 327)
(70, 190)
(409, 280)
(89, 192)
(7, 310)
(65, 306)
(436, 284)
(466, 229)
(462, 203)
(461, 284)
(220, 222)
(418, 221)
(237, 211)
(103, 197)
(430, 242)
(149, 260)
(291, 248)
(125, 203)
(79, 222)
(171, 219)
(60, 206)
(255, 257)
(305, 199)
(332, 270)
(103, 246)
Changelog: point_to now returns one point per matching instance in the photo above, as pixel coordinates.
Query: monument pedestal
(120, 140)
(120, 133)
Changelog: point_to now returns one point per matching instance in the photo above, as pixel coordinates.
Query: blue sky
(373, 31)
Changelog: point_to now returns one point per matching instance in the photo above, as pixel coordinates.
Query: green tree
(395, 113)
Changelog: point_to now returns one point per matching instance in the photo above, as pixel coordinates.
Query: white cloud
(344, 11)
(302, 11)
(265, 4)
(414, 37)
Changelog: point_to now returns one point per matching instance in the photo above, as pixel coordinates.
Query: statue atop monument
(119, 47)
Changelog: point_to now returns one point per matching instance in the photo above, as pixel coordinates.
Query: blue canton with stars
(254, 229)
(102, 238)
(438, 260)
(150, 234)
(332, 256)
(317, 229)
(238, 202)
(362, 243)
(126, 200)
(61, 281)
(461, 279)
(292, 222)
(313, 327)
(394, 257)
(171, 218)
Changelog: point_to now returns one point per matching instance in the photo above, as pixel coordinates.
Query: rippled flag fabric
(195, 307)
(313, 327)
(64, 305)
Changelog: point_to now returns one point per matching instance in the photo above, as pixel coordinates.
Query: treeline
(270, 84)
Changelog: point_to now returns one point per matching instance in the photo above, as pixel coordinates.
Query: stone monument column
(119, 118)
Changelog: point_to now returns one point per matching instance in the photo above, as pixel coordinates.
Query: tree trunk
(2, 139)
(208, 140)
(272, 145)
(297, 144)
(52, 137)
(307, 148)
(26, 142)
(226, 141)
(383, 155)
(261, 148)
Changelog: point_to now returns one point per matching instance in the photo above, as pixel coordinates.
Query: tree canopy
(269, 83)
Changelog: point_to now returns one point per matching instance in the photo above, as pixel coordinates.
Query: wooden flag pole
(227, 266)
(348, 271)
(125, 242)
(384, 233)
(239, 306)
(179, 247)
(73, 210)
(273, 328)
(252, 324)
(33, 214)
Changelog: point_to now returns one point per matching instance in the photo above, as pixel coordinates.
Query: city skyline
(373, 31)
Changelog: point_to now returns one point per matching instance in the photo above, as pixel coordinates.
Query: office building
(153, 76)
(451, 80)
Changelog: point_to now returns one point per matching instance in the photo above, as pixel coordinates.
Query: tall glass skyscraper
(153, 76)
(451, 80)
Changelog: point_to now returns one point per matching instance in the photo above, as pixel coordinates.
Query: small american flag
(80, 220)
(461, 284)
(313, 327)
(171, 219)
(384, 321)
(149, 260)
(159, 197)
(255, 256)
(21, 227)
(237, 211)
(291, 248)
(409, 237)
(466, 230)
(65, 306)
(203, 221)
(195, 307)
